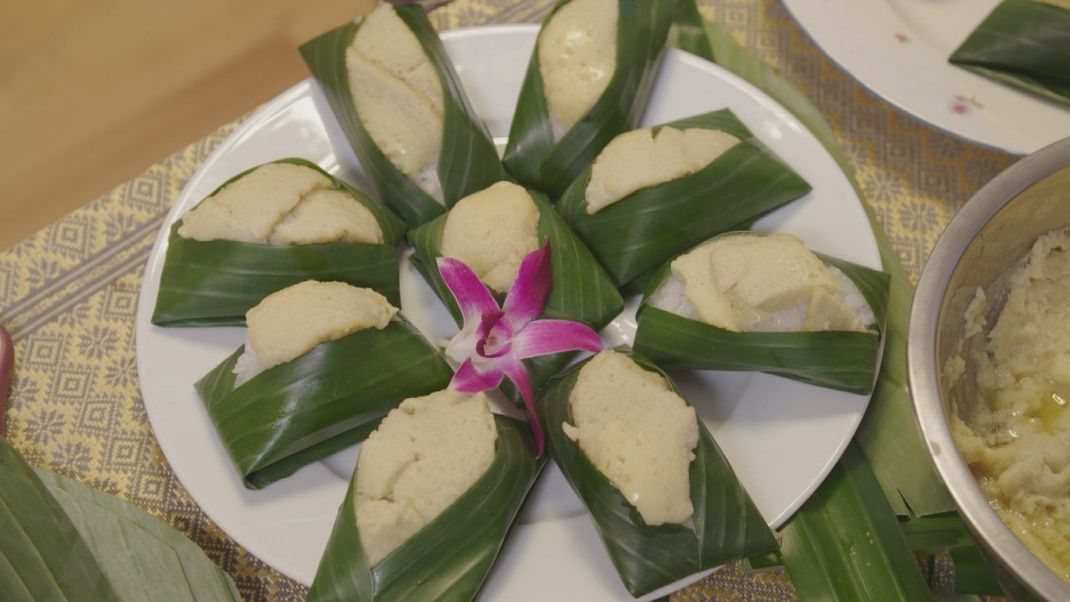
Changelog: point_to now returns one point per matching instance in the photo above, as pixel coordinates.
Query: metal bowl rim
(922, 366)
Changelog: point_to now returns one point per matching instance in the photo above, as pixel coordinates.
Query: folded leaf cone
(725, 526)
(1024, 44)
(636, 234)
(319, 403)
(468, 160)
(844, 360)
(533, 155)
(214, 282)
(450, 557)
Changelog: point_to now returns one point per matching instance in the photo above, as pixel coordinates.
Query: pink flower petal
(518, 374)
(468, 290)
(544, 337)
(469, 379)
(527, 298)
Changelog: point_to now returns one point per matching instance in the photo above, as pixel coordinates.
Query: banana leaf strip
(638, 233)
(42, 555)
(841, 360)
(1024, 44)
(726, 525)
(449, 558)
(214, 282)
(468, 160)
(845, 542)
(317, 404)
(144, 558)
(532, 155)
(582, 291)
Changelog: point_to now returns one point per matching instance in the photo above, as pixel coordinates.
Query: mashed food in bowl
(1016, 436)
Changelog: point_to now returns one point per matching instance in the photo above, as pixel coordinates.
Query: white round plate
(782, 437)
(899, 49)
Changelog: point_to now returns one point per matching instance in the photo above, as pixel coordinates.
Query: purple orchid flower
(494, 340)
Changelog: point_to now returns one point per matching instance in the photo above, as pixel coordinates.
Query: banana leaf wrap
(1024, 44)
(449, 558)
(468, 160)
(214, 282)
(842, 360)
(319, 403)
(532, 155)
(581, 291)
(726, 525)
(635, 235)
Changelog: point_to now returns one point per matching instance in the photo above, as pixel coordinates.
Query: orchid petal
(527, 297)
(518, 374)
(468, 290)
(469, 379)
(544, 337)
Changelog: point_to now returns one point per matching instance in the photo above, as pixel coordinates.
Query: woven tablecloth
(69, 293)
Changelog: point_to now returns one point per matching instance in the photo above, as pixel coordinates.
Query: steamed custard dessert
(638, 432)
(1016, 438)
(398, 96)
(753, 283)
(577, 57)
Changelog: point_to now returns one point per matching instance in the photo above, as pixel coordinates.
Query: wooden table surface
(93, 92)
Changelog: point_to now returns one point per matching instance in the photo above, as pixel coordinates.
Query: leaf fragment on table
(846, 544)
(144, 558)
(42, 554)
(1024, 44)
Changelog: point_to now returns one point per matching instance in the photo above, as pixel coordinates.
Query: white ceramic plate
(782, 437)
(899, 50)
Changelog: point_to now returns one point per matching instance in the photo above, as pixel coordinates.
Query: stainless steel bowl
(992, 232)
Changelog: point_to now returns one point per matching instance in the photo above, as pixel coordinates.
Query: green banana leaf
(930, 535)
(887, 436)
(845, 543)
(638, 233)
(143, 558)
(450, 557)
(468, 160)
(317, 404)
(841, 360)
(1024, 44)
(213, 283)
(532, 155)
(726, 525)
(582, 291)
(42, 555)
